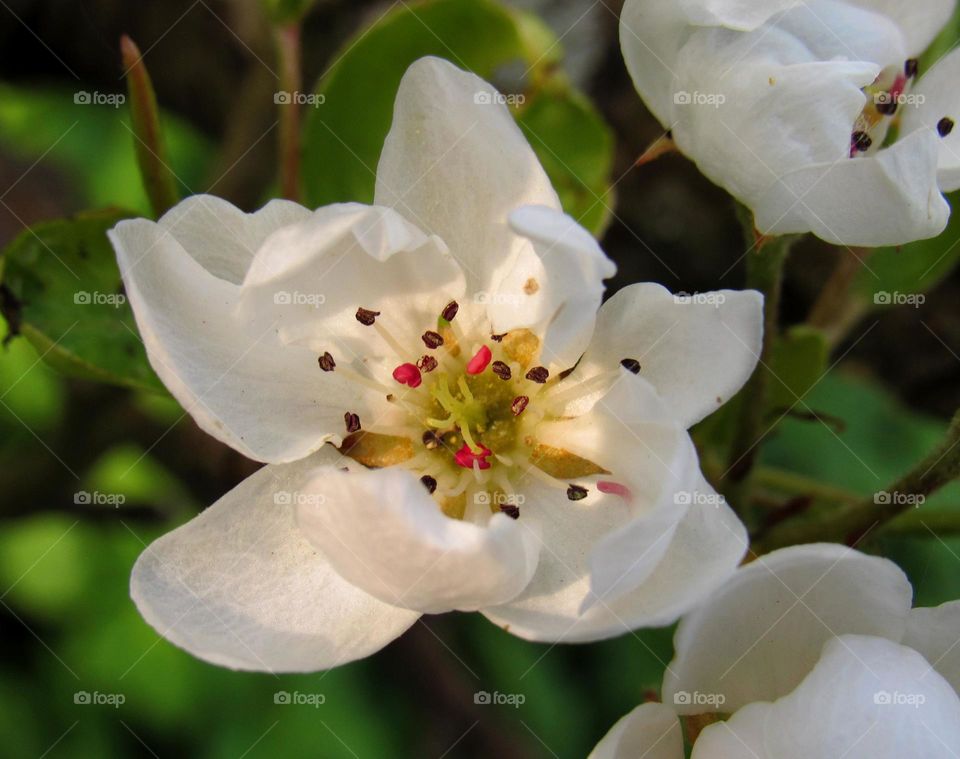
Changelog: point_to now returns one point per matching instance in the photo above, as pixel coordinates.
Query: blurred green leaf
(799, 360)
(344, 135)
(63, 293)
(94, 145)
(286, 11)
(28, 387)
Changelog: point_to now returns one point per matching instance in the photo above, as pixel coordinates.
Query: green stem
(847, 524)
(288, 55)
(158, 179)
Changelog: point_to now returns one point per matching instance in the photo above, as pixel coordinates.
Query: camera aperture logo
(86, 698)
(286, 698)
(485, 698)
(686, 698)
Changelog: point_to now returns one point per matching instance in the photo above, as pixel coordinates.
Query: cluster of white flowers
(453, 421)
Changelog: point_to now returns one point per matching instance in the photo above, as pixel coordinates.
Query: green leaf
(344, 134)
(62, 291)
(286, 11)
(911, 269)
(799, 360)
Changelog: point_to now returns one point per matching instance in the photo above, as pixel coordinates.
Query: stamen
(352, 421)
(576, 492)
(519, 404)
(429, 483)
(631, 365)
(498, 338)
(860, 142)
(408, 374)
(510, 510)
(326, 362)
(367, 317)
(945, 126)
(480, 361)
(390, 340)
(449, 312)
(911, 68)
(431, 441)
(501, 370)
(431, 339)
(427, 363)
(538, 374)
(614, 488)
(466, 458)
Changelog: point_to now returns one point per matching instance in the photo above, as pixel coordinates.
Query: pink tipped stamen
(614, 488)
(467, 458)
(480, 361)
(408, 374)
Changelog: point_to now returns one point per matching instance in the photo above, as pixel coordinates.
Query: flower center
(473, 407)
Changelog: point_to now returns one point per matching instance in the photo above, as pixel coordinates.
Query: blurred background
(80, 673)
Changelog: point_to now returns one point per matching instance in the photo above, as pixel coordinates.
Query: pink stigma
(480, 361)
(614, 488)
(407, 374)
(465, 457)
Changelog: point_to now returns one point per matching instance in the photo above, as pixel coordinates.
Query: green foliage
(286, 11)
(799, 360)
(62, 292)
(344, 135)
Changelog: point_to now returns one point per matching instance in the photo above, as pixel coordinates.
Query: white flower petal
(697, 352)
(652, 33)
(890, 198)
(758, 636)
(309, 279)
(555, 293)
(651, 731)
(384, 533)
(935, 633)
(920, 21)
(456, 164)
(839, 710)
(608, 566)
(743, 15)
(233, 375)
(240, 586)
(941, 99)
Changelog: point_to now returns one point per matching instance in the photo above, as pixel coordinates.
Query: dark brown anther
(367, 317)
(450, 311)
(945, 126)
(429, 483)
(498, 338)
(576, 492)
(326, 362)
(432, 340)
(501, 370)
(352, 421)
(431, 440)
(861, 141)
(911, 68)
(887, 106)
(427, 364)
(511, 510)
(519, 404)
(631, 365)
(538, 374)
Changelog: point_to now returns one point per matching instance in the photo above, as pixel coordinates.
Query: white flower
(788, 105)
(429, 464)
(815, 652)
